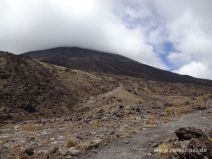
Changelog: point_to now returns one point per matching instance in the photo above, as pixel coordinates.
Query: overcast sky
(175, 35)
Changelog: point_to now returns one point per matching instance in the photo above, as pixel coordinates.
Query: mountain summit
(96, 61)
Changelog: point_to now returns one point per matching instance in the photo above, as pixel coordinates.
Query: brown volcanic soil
(28, 90)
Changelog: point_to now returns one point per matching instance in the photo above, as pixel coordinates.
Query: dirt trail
(93, 99)
(140, 146)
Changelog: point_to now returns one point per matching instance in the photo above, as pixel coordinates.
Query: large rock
(196, 143)
(73, 152)
(29, 151)
(202, 149)
(187, 133)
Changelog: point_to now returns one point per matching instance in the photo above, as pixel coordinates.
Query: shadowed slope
(27, 88)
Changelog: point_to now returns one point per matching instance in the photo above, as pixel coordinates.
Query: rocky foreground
(67, 137)
(73, 137)
(188, 137)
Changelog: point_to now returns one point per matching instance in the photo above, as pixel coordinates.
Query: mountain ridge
(103, 62)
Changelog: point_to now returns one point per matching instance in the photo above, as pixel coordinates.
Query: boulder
(201, 149)
(73, 152)
(29, 151)
(187, 133)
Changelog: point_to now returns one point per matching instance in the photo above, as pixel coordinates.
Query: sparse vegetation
(170, 110)
(31, 128)
(96, 124)
(165, 149)
(72, 142)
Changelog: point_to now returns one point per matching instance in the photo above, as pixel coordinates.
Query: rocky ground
(72, 137)
(191, 131)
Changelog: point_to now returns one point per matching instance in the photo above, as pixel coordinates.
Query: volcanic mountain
(59, 97)
(80, 82)
(96, 61)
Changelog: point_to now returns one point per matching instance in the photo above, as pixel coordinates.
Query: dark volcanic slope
(26, 87)
(94, 61)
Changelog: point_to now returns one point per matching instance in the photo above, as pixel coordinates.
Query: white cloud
(35, 24)
(196, 69)
(137, 29)
(187, 24)
(179, 58)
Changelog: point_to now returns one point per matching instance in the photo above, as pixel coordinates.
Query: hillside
(95, 61)
(28, 90)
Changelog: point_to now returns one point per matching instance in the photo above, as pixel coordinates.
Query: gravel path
(140, 146)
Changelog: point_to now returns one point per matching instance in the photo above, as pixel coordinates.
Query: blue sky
(167, 47)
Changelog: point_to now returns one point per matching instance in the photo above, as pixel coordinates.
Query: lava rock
(73, 152)
(95, 143)
(29, 151)
(187, 133)
(202, 148)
